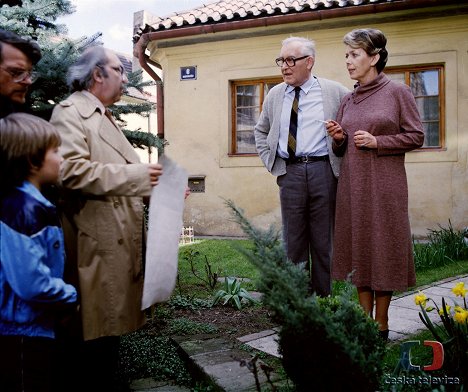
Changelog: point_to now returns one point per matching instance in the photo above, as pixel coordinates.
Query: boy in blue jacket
(33, 296)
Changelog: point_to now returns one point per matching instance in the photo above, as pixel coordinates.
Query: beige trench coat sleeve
(97, 177)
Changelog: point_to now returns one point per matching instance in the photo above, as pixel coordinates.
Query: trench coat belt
(307, 159)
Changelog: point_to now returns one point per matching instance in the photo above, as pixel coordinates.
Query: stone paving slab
(267, 344)
(452, 282)
(149, 385)
(258, 335)
(218, 361)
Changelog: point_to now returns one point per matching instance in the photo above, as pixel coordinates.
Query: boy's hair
(25, 140)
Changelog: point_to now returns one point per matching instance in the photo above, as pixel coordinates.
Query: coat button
(116, 204)
(120, 241)
(56, 244)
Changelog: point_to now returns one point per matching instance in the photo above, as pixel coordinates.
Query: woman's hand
(364, 139)
(335, 131)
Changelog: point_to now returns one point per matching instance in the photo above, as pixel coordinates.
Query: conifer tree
(38, 19)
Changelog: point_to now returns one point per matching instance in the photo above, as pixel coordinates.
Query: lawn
(223, 258)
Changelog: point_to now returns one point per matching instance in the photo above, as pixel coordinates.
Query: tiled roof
(233, 10)
(126, 61)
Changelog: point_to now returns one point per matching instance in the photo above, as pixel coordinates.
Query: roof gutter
(313, 15)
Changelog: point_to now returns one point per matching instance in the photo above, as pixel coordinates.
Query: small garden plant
(233, 294)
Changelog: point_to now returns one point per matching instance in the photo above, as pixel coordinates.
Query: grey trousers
(307, 196)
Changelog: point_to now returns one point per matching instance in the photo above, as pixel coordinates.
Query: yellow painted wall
(197, 117)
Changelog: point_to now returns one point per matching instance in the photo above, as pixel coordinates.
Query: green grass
(453, 268)
(225, 260)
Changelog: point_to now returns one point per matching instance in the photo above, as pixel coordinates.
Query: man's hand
(154, 171)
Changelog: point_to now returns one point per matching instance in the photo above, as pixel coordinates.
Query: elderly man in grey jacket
(292, 142)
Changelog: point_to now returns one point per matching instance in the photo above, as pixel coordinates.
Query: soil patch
(231, 321)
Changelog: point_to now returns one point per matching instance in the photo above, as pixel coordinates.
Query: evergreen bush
(327, 344)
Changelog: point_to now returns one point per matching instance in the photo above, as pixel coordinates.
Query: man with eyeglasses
(293, 144)
(103, 220)
(17, 58)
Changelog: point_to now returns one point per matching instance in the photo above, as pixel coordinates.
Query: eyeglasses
(290, 61)
(20, 75)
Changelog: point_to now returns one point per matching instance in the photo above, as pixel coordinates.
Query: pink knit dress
(372, 231)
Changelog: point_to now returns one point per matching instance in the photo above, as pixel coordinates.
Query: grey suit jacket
(267, 128)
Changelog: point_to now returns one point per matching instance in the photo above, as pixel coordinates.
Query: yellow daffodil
(447, 309)
(461, 315)
(420, 299)
(459, 289)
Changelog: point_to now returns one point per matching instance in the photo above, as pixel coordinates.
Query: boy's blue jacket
(32, 257)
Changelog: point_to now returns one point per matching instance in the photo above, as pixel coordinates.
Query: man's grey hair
(308, 46)
(80, 74)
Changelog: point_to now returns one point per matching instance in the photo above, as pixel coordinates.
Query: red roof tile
(232, 10)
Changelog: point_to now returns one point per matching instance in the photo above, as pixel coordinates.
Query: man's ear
(310, 63)
(98, 76)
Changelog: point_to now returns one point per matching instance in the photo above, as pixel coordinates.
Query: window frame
(406, 70)
(233, 86)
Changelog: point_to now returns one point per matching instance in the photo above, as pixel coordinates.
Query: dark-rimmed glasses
(290, 61)
(19, 75)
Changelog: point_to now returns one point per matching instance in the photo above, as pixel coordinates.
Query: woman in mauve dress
(376, 125)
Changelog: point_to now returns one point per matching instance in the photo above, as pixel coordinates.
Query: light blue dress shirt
(311, 134)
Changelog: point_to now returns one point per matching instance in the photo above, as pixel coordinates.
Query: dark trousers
(308, 195)
(26, 364)
(89, 366)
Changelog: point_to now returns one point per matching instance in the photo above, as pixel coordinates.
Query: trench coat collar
(362, 92)
(87, 104)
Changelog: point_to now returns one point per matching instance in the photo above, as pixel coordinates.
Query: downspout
(312, 15)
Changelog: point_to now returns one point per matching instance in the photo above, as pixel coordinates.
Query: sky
(114, 18)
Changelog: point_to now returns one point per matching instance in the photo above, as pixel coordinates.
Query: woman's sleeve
(411, 135)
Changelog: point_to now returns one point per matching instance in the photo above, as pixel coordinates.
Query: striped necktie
(293, 124)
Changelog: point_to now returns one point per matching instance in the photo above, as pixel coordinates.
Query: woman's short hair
(308, 46)
(25, 141)
(80, 74)
(373, 42)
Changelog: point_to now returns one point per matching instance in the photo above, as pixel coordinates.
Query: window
(247, 100)
(427, 84)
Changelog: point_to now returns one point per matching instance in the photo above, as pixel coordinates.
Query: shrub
(327, 344)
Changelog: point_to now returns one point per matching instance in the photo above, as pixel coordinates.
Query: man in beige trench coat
(104, 184)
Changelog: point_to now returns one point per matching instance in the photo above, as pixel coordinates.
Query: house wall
(198, 120)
